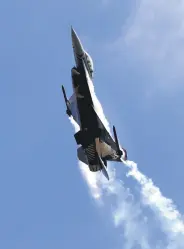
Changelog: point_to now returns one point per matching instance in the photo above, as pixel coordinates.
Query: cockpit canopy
(89, 62)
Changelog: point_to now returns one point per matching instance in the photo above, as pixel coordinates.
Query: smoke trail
(92, 180)
(171, 220)
(126, 213)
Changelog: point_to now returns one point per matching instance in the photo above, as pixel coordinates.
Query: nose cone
(76, 43)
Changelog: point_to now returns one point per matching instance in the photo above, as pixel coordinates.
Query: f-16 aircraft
(96, 145)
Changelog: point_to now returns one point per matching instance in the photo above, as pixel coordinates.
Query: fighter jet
(96, 145)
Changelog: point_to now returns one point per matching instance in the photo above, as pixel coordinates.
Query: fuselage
(81, 78)
(96, 142)
(84, 98)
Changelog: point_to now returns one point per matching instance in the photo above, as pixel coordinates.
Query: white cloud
(154, 39)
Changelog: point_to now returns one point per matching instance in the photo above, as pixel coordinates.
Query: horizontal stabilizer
(66, 102)
(104, 170)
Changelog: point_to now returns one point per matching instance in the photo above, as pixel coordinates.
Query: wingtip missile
(116, 141)
(64, 94)
(119, 151)
(66, 102)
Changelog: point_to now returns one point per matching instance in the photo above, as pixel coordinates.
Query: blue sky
(137, 49)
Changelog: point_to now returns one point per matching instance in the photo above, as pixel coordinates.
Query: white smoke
(92, 180)
(125, 212)
(171, 220)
